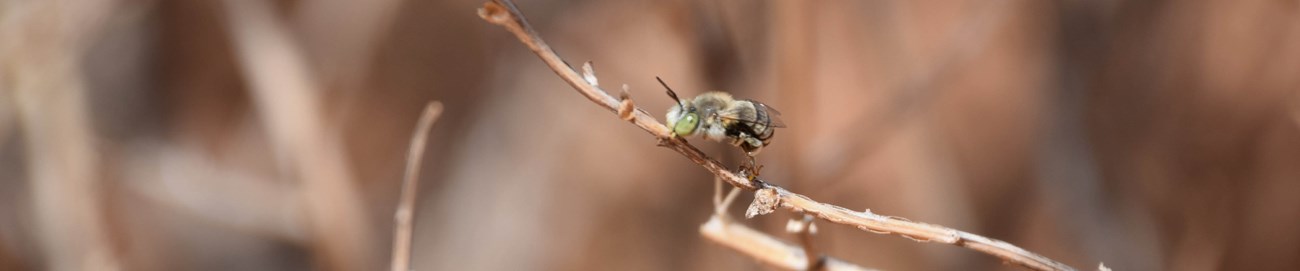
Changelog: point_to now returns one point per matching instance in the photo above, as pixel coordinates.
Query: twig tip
(589, 74)
(494, 13)
(433, 108)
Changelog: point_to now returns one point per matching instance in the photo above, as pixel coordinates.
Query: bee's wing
(772, 114)
(769, 108)
(774, 117)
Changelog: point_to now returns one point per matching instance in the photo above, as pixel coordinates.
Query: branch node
(765, 202)
(625, 106)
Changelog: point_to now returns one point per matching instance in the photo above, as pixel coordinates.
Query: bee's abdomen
(762, 126)
(746, 124)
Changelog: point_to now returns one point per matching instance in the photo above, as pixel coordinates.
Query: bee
(717, 116)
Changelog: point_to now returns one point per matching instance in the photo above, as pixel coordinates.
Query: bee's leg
(755, 145)
(752, 166)
(745, 170)
(748, 170)
(747, 144)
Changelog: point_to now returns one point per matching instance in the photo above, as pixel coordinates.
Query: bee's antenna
(670, 92)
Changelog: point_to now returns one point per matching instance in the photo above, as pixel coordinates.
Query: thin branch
(920, 232)
(505, 14)
(6, 114)
(410, 184)
(182, 178)
(764, 248)
(40, 70)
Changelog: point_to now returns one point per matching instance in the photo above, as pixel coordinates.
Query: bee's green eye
(686, 126)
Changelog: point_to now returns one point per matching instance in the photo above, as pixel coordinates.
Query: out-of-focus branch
(765, 248)
(804, 229)
(343, 47)
(286, 96)
(183, 179)
(43, 43)
(410, 185)
(504, 13)
(6, 114)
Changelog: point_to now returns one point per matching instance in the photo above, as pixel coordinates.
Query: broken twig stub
(765, 201)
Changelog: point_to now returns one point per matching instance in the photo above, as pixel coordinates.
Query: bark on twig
(765, 248)
(920, 232)
(505, 14)
(410, 185)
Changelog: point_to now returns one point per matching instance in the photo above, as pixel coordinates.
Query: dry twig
(410, 184)
(765, 248)
(180, 178)
(505, 14)
(40, 56)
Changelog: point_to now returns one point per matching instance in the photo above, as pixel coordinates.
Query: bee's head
(682, 119)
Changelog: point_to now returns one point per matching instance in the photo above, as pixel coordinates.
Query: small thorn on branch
(589, 74)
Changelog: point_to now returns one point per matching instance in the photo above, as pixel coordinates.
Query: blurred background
(271, 135)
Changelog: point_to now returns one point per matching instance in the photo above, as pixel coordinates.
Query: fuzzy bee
(719, 117)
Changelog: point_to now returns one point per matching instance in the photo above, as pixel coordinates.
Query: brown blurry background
(271, 135)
